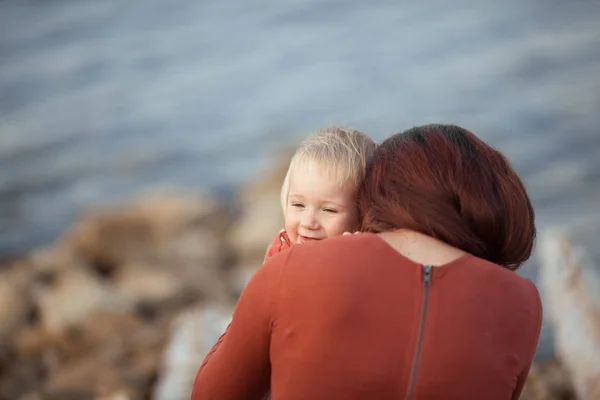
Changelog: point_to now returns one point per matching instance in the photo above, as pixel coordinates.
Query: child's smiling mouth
(306, 239)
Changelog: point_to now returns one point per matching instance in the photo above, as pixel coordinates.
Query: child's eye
(298, 205)
(330, 210)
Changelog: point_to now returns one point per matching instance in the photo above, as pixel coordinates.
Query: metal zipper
(427, 269)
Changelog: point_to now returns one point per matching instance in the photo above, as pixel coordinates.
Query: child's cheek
(354, 221)
(346, 224)
(351, 224)
(291, 230)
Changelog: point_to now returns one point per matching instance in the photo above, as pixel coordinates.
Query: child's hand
(349, 233)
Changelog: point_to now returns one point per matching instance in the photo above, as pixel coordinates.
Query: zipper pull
(427, 270)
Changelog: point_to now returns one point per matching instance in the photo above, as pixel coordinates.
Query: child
(319, 189)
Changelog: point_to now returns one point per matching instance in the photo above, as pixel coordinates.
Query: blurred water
(102, 99)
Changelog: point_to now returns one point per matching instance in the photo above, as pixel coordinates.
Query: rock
(240, 276)
(182, 234)
(198, 271)
(71, 298)
(140, 284)
(159, 229)
(194, 333)
(48, 262)
(535, 387)
(89, 316)
(31, 396)
(15, 302)
(112, 354)
(262, 216)
(116, 396)
(34, 343)
(20, 379)
(259, 225)
(570, 285)
(548, 381)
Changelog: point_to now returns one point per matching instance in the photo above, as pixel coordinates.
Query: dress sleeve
(535, 337)
(279, 243)
(238, 366)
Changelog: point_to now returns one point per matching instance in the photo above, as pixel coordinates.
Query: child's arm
(280, 243)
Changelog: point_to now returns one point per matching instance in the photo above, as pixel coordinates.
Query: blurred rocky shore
(127, 302)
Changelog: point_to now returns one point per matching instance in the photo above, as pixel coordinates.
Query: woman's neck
(421, 248)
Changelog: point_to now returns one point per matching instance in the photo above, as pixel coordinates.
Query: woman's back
(370, 323)
(354, 318)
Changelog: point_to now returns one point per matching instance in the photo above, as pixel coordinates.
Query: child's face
(318, 207)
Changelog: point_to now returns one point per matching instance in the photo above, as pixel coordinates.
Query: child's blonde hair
(342, 152)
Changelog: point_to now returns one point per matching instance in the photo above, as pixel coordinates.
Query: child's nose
(309, 220)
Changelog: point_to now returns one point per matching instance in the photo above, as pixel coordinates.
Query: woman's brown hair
(443, 181)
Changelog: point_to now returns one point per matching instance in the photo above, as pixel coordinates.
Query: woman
(424, 305)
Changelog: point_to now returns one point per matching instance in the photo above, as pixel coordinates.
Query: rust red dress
(350, 318)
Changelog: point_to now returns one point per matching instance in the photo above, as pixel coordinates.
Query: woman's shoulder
(500, 278)
(344, 246)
